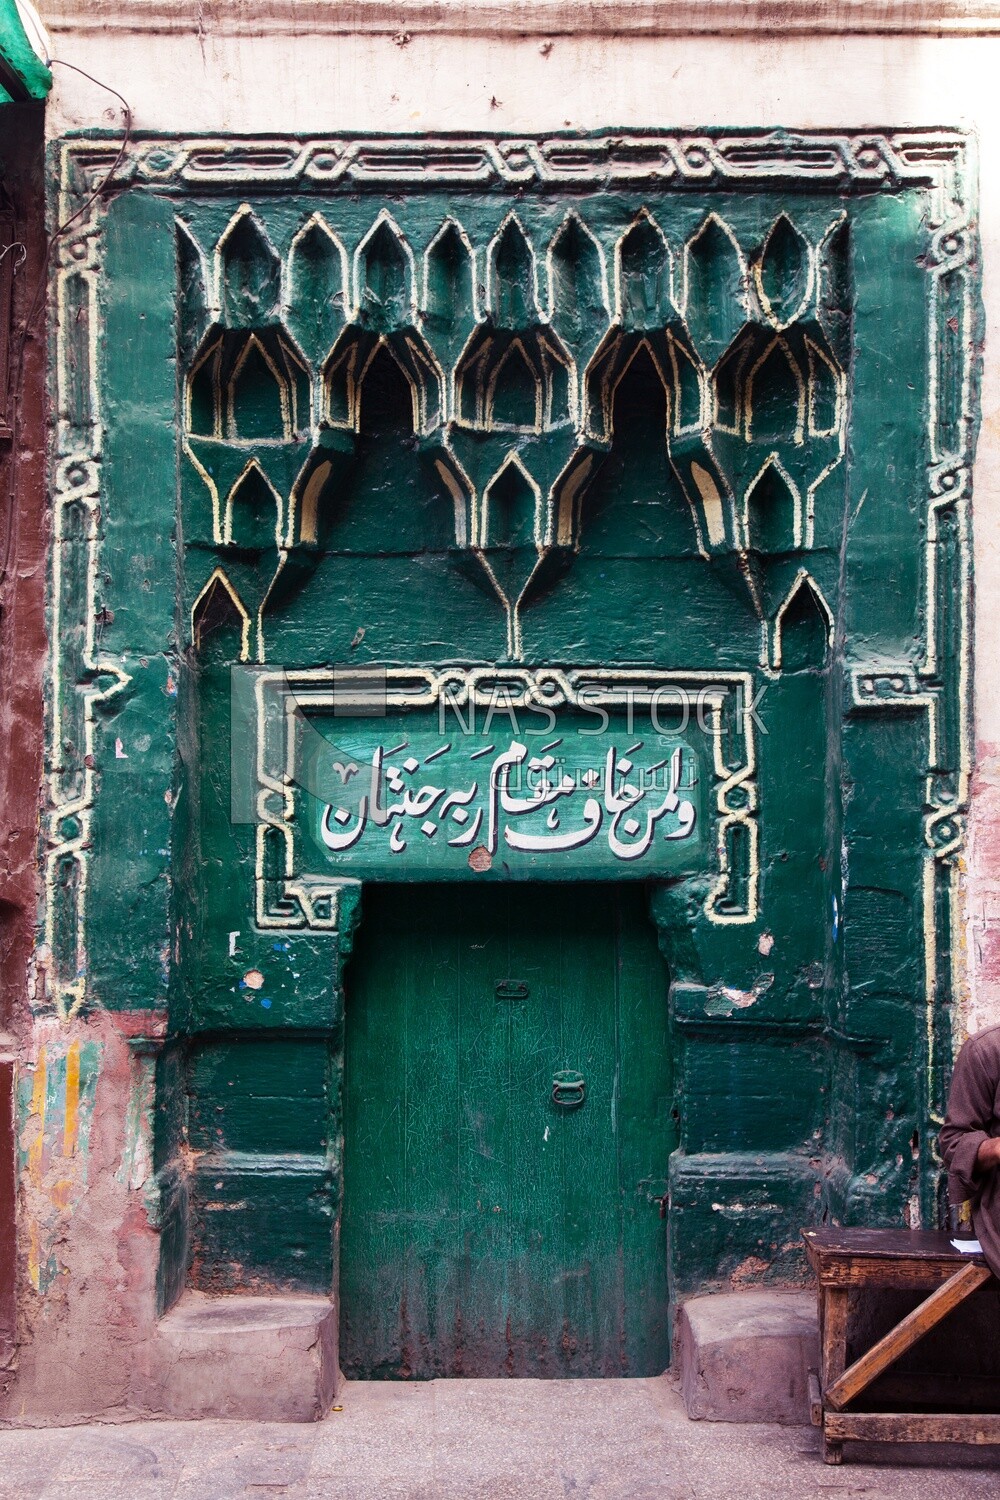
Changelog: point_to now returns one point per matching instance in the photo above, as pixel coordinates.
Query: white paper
(968, 1247)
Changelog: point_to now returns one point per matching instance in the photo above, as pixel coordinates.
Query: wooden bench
(904, 1260)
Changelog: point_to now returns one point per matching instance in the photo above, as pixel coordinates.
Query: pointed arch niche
(581, 412)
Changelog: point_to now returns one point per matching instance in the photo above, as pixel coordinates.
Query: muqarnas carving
(510, 372)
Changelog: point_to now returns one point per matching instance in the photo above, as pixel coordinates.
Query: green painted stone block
(264, 1226)
(730, 1104)
(732, 1219)
(265, 1094)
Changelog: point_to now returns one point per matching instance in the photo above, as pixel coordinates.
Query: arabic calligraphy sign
(401, 799)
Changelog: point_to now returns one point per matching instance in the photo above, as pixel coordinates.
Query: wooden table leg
(905, 1334)
(833, 1356)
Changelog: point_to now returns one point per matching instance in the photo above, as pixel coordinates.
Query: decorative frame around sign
(303, 900)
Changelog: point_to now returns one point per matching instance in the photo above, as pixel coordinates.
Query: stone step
(746, 1356)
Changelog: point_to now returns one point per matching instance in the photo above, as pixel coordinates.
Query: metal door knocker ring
(569, 1089)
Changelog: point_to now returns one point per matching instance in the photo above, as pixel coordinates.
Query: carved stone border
(941, 161)
(402, 18)
(937, 159)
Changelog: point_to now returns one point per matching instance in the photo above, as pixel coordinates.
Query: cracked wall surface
(105, 1180)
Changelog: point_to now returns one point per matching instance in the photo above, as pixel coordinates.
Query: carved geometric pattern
(939, 161)
(516, 340)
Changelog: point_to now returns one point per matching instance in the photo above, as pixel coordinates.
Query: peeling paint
(56, 1105)
(723, 999)
(735, 1210)
(750, 1272)
(137, 1152)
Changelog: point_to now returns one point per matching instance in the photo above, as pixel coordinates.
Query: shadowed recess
(386, 398)
(192, 303)
(771, 512)
(203, 396)
(510, 510)
(784, 271)
(513, 279)
(317, 290)
(728, 382)
(257, 397)
(578, 297)
(636, 507)
(687, 388)
(775, 397)
(804, 631)
(835, 294)
(387, 502)
(824, 391)
(449, 282)
(385, 292)
(516, 393)
(217, 624)
(253, 512)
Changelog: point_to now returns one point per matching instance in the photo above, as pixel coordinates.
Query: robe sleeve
(970, 1112)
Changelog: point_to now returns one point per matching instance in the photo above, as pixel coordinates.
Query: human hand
(988, 1155)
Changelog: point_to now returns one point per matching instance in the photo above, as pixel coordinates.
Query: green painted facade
(357, 437)
(23, 74)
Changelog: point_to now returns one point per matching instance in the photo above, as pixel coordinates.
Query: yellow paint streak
(37, 1112)
(72, 1121)
(61, 1192)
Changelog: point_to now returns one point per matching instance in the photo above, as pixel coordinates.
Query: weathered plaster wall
(83, 1154)
(88, 1252)
(23, 544)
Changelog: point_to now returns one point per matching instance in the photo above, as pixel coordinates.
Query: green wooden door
(487, 1229)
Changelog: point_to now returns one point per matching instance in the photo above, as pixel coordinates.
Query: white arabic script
(619, 800)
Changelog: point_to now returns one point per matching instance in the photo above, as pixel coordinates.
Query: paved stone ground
(477, 1440)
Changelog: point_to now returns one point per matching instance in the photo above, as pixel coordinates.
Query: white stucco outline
(941, 162)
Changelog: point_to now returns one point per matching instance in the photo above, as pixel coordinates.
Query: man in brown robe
(970, 1138)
